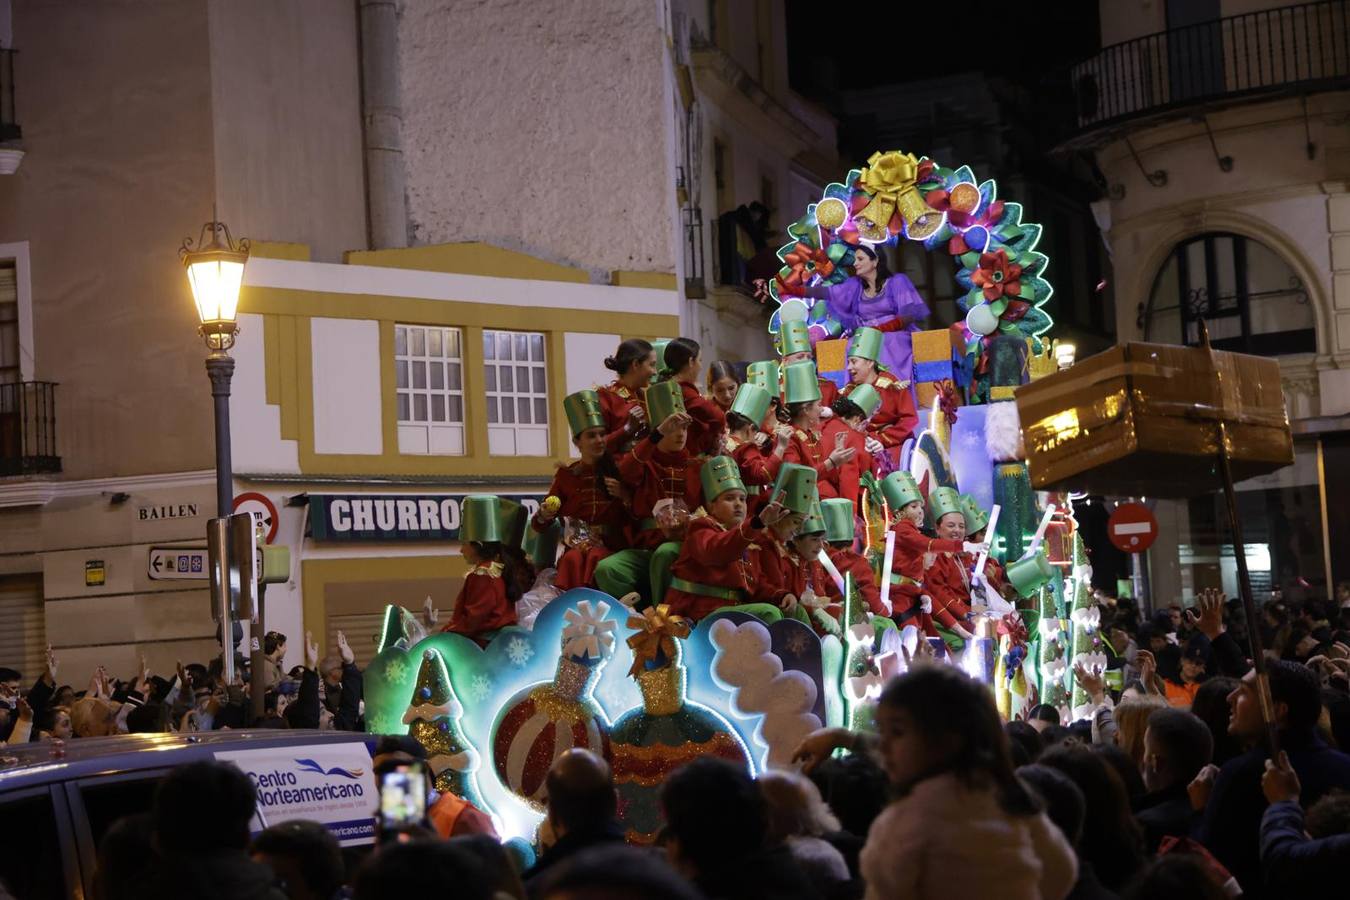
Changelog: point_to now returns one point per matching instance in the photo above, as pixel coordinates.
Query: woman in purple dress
(876, 298)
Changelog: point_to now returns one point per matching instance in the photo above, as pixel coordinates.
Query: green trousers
(645, 571)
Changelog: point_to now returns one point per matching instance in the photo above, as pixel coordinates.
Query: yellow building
(371, 396)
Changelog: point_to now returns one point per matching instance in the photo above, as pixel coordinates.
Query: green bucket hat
(814, 523)
(583, 411)
(795, 488)
(793, 337)
(942, 501)
(976, 518)
(719, 475)
(1030, 574)
(866, 344)
(899, 490)
(800, 384)
(765, 374)
(659, 348)
(752, 401)
(664, 398)
(865, 397)
(838, 515)
(481, 519)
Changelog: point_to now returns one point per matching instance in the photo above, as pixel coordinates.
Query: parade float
(650, 692)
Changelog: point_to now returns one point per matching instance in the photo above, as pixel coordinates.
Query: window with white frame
(429, 381)
(517, 393)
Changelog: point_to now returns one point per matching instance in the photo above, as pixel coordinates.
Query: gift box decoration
(832, 360)
(935, 354)
(1147, 419)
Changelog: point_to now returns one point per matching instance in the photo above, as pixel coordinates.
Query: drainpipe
(382, 118)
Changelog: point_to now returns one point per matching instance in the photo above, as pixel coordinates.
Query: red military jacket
(714, 558)
(482, 606)
(616, 402)
(864, 581)
(947, 581)
(654, 475)
(709, 421)
(896, 420)
(575, 486)
(910, 546)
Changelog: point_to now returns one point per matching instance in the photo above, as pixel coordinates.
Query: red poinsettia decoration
(997, 276)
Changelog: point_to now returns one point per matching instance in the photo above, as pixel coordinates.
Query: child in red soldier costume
(715, 568)
(851, 412)
(498, 573)
(588, 493)
(621, 401)
(765, 374)
(757, 458)
(895, 421)
(722, 384)
(976, 520)
(910, 601)
(840, 528)
(708, 422)
(794, 345)
(947, 574)
(801, 392)
(818, 595)
(664, 482)
(775, 562)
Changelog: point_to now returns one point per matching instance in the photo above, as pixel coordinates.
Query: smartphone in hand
(403, 798)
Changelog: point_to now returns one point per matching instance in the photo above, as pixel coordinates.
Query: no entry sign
(262, 510)
(1132, 528)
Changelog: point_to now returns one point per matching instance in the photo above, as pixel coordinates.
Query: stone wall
(540, 128)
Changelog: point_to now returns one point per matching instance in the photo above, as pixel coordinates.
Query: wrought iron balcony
(28, 428)
(1303, 48)
(9, 125)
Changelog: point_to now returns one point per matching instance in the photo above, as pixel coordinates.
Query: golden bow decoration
(657, 631)
(890, 179)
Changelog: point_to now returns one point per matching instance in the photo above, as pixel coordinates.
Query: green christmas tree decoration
(434, 716)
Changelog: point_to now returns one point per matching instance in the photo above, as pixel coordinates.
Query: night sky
(1023, 42)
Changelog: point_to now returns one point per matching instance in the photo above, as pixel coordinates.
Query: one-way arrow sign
(167, 563)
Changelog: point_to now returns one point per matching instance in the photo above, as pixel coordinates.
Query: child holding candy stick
(815, 590)
(910, 600)
(947, 576)
(839, 532)
(588, 493)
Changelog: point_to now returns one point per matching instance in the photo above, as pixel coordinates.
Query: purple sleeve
(842, 302)
(906, 299)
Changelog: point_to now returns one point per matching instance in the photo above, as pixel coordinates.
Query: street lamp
(215, 272)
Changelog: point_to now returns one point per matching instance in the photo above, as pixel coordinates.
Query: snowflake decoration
(395, 671)
(519, 651)
(479, 688)
(797, 643)
(972, 440)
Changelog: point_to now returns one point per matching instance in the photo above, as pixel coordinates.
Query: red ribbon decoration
(1013, 626)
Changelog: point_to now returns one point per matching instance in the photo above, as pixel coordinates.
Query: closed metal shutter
(362, 631)
(23, 626)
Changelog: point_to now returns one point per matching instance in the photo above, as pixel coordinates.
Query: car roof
(32, 765)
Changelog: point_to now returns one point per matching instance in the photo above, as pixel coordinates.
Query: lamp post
(215, 271)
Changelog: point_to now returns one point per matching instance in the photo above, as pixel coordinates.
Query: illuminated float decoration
(648, 693)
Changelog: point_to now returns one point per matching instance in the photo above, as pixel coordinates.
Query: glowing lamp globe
(215, 271)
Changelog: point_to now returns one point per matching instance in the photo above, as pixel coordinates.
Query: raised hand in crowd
(49, 673)
(1148, 671)
(429, 612)
(1091, 681)
(1207, 617)
(311, 651)
(345, 650)
(1202, 786)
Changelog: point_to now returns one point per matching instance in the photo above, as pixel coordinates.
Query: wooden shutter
(23, 626)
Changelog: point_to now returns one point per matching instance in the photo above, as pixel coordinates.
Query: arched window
(1249, 296)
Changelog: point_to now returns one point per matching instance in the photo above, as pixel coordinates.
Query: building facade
(1222, 132)
(456, 210)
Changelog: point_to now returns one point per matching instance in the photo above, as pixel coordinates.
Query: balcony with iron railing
(28, 428)
(1298, 49)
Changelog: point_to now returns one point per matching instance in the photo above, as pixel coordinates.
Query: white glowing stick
(834, 572)
(1040, 530)
(886, 572)
(989, 532)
